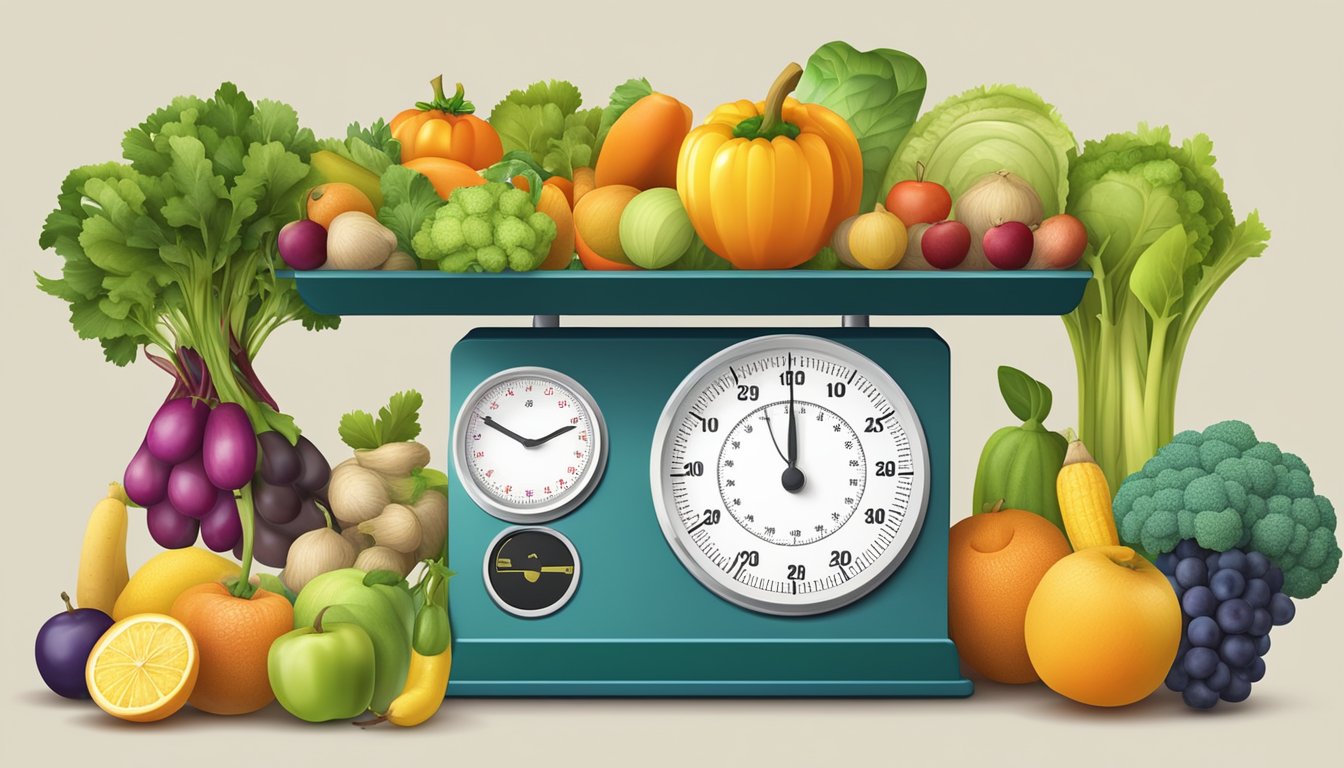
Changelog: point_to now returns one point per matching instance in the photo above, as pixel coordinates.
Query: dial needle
(792, 478)
(552, 436)
(490, 422)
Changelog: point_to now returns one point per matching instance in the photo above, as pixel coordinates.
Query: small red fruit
(946, 244)
(302, 244)
(1008, 246)
(918, 201)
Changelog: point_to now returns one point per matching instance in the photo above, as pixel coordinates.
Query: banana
(102, 561)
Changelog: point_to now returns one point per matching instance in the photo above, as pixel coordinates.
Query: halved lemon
(144, 668)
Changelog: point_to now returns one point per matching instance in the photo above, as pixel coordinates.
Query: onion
(994, 199)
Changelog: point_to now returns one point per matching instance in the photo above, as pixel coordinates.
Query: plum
(946, 244)
(63, 646)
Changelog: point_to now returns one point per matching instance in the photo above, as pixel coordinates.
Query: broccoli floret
(515, 203)
(463, 260)
(447, 235)
(523, 260)
(477, 232)
(492, 258)
(514, 233)
(1225, 489)
(451, 211)
(544, 226)
(475, 201)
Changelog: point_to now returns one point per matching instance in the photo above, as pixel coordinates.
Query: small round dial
(530, 444)
(790, 474)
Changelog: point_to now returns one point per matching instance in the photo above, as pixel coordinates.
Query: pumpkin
(446, 127)
(766, 184)
(641, 148)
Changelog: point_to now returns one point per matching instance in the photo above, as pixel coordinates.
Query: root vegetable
(397, 527)
(355, 240)
(356, 494)
(400, 261)
(380, 558)
(314, 553)
(360, 541)
(432, 512)
(394, 459)
(995, 199)
(873, 240)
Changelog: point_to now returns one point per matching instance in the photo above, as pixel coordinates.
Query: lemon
(144, 668)
(168, 574)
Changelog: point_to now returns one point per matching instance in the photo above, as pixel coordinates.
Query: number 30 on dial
(790, 474)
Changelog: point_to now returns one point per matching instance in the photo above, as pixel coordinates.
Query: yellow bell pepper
(766, 184)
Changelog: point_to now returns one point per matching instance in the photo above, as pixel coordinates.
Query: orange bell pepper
(766, 184)
(446, 127)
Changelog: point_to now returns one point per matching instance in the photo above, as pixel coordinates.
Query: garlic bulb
(432, 512)
(397, 527)
(360, 541)
(356, 494)
(400, 261)
(355, 240)
(380, 558)
(313, 554)
(394, 459)
(992, 200)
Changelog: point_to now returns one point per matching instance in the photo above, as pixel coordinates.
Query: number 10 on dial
(790, 474)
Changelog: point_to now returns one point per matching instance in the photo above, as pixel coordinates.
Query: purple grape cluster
(1229, 602)
(192, 461)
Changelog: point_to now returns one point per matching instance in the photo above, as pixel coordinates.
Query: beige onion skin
(994, 199)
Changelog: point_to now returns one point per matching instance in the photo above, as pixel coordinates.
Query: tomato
(916, 201)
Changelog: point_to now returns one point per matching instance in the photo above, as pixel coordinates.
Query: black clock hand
(490, 422)
(765, 414)
(792, 478)
(532, 443)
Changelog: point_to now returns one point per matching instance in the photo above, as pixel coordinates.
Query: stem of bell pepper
(773, 114)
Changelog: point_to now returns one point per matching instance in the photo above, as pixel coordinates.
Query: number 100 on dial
(790, 474)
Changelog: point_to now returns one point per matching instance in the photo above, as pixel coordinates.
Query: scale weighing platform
(699, 511)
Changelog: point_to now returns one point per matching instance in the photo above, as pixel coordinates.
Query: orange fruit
(591, 261)
(1103, 627)
(234, 636)
(327, 201)
(995, 561)
(597, 219)
(446, 175)
(144, 668)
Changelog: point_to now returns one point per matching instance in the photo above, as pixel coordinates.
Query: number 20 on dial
(790, 474)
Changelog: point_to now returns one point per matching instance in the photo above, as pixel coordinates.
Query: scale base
(740, 668)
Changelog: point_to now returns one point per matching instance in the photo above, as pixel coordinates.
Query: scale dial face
(782, 518)
(530, 445)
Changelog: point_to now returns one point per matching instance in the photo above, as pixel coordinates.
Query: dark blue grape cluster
(1229, 602)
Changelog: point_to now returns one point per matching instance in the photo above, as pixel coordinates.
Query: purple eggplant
(176, 431)
(63, 646)
(315, 471)
(302, 244)
(221, 528)
(170, 528)
(280, 463)
(278, 504)
(189, 488)
(146, 479)
(230, 448)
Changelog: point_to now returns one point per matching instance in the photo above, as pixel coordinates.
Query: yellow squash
(102, 560)
(766, 184)
(1085, 500)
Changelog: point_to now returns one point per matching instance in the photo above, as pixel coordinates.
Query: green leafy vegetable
(622, 98)
(987, 129)
(397, 422)
(877, 92)
(546, 122)
(698, 256)
(1161, 240)
(372, 147)
(408, 200)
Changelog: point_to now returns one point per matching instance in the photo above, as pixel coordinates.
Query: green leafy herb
(545, 122)
(397, 422)
(877, 92)
(408, 200)
(622, 98)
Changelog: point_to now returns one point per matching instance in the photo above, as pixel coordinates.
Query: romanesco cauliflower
(486, 228)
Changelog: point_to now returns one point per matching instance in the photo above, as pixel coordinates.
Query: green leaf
(359, 431)
(408, 200)
(622, 98)
(272, 583)
(398, 421)
(378, 136)
(877, 92)
(545, 122)
(1157, 280)
(1027, 398)
(386, 578)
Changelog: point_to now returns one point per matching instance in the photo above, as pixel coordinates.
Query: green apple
(325, 671)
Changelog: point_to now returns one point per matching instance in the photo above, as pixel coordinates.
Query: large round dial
(530, 444)
(790, 474)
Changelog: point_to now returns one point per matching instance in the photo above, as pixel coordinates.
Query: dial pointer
(532, 443)
(792, 479)
(490, 422)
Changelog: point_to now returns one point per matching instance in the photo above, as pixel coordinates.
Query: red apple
(946, 244)
(1008, 246)
(916, 201)
(1060, 242)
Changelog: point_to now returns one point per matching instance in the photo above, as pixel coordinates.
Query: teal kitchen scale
(699, 511)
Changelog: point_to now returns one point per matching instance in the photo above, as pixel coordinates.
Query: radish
(169, 528)
(146, 479)
(189, 489)
(302, 244)
(176, 431)
(1008, 246)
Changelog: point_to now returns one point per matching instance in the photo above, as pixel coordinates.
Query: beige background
(1263, 82)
